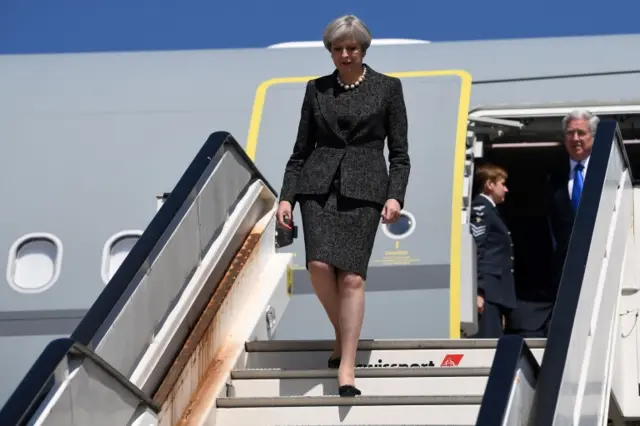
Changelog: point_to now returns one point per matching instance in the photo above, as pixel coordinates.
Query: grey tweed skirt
(339, 231)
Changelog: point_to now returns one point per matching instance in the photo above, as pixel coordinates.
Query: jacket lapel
(365, 96)
(326, 102)
(499, 219)
(562, 191)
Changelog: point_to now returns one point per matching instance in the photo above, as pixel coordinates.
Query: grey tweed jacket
(320, 148)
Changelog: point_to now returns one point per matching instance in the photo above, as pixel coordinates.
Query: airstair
(283, 382)
(185, 333)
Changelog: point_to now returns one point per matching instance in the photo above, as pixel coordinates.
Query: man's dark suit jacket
(320, 148)
(535, 305)
(561, 218)
(494, 252)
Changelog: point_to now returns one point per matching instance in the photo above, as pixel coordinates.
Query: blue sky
(55, 26)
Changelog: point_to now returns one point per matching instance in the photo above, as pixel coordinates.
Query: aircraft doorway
(528, 144)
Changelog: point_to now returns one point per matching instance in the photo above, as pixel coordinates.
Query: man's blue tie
(578, 182)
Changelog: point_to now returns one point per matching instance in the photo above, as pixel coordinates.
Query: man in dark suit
(566, 183)
(533, 316)
(494, 251)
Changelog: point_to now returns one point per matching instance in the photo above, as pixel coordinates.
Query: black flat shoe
(348, 390)
(334, 362)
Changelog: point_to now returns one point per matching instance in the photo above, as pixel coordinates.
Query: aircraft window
(402, 228)
(115, 250)
(34, 263)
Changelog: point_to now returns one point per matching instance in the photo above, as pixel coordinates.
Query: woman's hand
(285, 215)
(391, 211)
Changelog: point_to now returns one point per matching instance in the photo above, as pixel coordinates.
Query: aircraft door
(479, 129)
(414, 272)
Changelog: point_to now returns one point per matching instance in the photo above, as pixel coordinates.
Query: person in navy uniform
(494, 251)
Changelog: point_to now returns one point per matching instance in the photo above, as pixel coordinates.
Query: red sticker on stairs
(451, 360)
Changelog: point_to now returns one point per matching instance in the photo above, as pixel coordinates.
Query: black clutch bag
(284, 236)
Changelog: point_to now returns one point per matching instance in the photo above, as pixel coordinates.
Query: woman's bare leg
(351, 290)
(323, 279)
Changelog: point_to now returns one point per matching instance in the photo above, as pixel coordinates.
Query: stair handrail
(513, 355)
(211, 152)
(607, 142)
(34, 387)
(29, 392)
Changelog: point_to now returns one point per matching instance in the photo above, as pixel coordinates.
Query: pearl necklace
(354, 85)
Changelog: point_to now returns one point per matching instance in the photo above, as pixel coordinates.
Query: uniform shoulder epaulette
(478, 210)
(477, 225)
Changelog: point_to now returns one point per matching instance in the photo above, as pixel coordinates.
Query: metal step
(329, 410)
(370, 345)
(379, 381)
(380, 358)
(423, 381)
(276, 373)
(331, 401)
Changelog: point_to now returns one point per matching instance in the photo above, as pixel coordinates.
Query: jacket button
(512, 270)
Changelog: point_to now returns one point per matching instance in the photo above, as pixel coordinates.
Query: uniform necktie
(578, 182)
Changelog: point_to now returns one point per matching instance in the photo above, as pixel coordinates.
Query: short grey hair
(347, 26)
(582, 114)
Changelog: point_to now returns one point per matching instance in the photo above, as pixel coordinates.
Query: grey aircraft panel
(150, 111)
(202, 79)
(43, 322)
(88, 140)
(381, 318)
(433, 104)
(17, 355)
(584, 90)
(55, 195)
